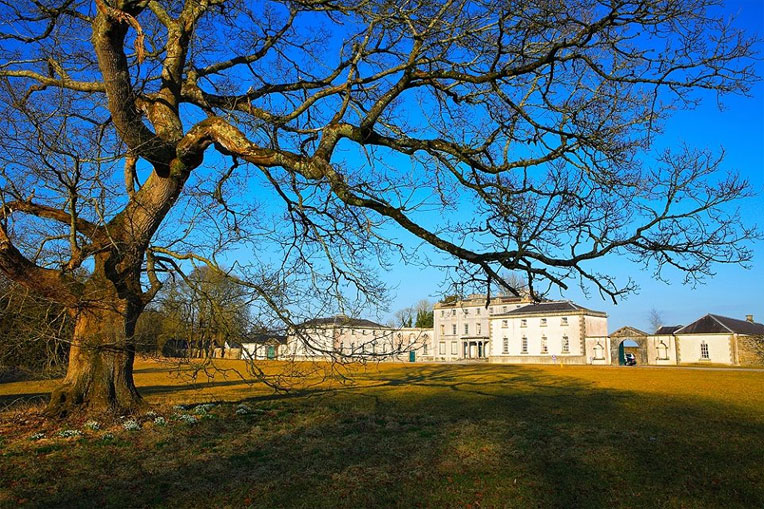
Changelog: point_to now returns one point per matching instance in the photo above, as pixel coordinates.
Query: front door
(412, 356)
(271, 352)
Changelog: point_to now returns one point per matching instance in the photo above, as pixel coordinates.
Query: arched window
(704, 350)
(599, 352)
(662, 351)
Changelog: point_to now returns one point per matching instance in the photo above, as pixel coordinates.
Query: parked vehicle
(630, 359)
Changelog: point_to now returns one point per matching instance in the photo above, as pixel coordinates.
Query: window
(340, 330)
(544, 347)
(453, 312)
(524, 322)
(599, 352)
(352, 347)
(442, 330)
(662, 351)
(543, 322)
(373, 347)
(504, 324)
(342, 347)
(453, 329)
(364, 332)
(478, 328)
(505, 346)
(477, 311)
(466, 329)
(384, 347)
(564, 321)
(442, 348)
(503, 309)
(466, 311)
(704, 351)
(565, 344)
(524, 345)
(454, 348)
(424, 349)
(442, 312)
(490, 311)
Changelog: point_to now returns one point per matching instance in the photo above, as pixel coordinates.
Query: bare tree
(140, 136)
(404, 317)
(655, 319)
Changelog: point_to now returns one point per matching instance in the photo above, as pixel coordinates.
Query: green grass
(416, 436)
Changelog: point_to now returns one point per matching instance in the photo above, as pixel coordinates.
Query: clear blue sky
(738, 128)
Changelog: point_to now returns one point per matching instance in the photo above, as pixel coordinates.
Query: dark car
(630, 359)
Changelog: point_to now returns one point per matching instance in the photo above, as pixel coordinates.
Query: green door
(412, 356)
(271, 352)
(621, 355)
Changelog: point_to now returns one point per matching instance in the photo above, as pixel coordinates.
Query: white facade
(705, 348)
(661, 350)
(550, 332)
(341, 337)
(462, 328)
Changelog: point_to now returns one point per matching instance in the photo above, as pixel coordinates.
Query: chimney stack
(749, 318)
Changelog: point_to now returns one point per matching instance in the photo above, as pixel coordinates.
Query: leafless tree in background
(655, 320)
(143, 136)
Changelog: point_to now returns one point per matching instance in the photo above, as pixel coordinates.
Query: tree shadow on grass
(434, 437)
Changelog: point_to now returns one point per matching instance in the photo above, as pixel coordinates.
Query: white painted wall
(598, 350)
(661, 356)
(719, 348)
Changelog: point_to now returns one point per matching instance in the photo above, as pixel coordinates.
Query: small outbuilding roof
(667, 329)
(259, 339)
(715, 324)
(551, 308)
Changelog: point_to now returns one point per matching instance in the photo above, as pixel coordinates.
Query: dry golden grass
(404, 435)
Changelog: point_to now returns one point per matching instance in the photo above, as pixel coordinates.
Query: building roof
(342, 321)
(480, 300)
(715, 324)
(258, 339)
(551, 308)
(667, 329)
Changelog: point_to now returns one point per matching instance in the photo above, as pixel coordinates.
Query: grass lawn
(405, 435)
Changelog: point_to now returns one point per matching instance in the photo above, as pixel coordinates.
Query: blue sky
(738, 128)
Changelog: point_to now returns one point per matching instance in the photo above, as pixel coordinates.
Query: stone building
(715, 339)
(711, 339)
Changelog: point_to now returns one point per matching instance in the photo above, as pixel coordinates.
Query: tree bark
(99, 376)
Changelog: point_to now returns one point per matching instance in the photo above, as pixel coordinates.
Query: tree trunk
(99, 377)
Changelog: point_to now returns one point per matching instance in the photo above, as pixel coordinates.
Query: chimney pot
(749, 318)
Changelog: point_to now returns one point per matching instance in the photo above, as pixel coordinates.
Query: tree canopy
(138, 136)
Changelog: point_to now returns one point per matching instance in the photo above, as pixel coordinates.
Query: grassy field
(405, 436)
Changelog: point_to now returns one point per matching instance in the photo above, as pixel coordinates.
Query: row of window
(542, 322)
(564, 345)
(454, 348)
(374, 348)
(466, 311)
(478, 328)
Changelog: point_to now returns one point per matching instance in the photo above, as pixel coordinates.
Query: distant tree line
(202, 310)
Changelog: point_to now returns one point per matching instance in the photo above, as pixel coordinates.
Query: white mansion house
(516, 330)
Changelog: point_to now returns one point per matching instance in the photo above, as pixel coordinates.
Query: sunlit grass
(405, 435)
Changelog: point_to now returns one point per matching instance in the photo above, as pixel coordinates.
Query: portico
(475, 348)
